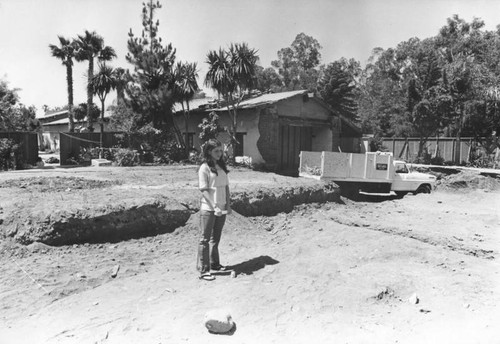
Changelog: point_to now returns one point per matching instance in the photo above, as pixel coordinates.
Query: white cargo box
(351, 167)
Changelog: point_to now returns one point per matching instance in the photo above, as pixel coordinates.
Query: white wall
(248, 122)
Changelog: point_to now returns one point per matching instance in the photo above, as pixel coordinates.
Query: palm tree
(102, 83)
(91, 46)
(231, 73)
(185, 87)
(65, 52)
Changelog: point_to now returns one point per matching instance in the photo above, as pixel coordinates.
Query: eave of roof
(264, 99)
(65, 120)
(261, 100)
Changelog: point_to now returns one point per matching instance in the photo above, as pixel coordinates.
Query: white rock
(218, 321)
(413, 299)
(115, 271)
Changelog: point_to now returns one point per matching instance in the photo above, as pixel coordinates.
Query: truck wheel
(423, 189)
(400, 194)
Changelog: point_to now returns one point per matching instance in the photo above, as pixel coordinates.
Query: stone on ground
(218, 321)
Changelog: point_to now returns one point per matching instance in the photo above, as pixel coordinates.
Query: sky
(344, 28)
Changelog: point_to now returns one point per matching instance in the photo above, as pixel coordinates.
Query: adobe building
(273, 128)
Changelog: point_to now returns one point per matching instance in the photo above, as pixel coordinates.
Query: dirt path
(338, 273)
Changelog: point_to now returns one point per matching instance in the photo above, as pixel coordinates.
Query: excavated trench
(130, 218)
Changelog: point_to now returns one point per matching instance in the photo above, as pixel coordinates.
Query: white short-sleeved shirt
(215, 184)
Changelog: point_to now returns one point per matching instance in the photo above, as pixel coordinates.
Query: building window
(238, 151)
(189, 140)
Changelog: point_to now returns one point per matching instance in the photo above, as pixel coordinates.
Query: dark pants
(210, 233)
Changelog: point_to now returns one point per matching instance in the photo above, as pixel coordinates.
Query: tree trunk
(102, 128)
(69, 79)
(90, 92)
(421, 146)
(458, 138)
(232, 131)
(186, 126)
(178, 134)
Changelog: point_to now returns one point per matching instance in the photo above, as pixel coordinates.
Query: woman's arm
(203, 178)
(206, 196)
(228, 200)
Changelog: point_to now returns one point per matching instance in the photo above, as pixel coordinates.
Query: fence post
(454, 157)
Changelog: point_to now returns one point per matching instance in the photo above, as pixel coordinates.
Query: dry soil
(338, 272)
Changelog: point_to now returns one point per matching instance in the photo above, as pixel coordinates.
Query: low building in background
(55, 122)
(273, 128)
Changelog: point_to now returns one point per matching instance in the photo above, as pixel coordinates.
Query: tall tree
(429, 105)
(382, 103)
(151, 90)
(337, 86)
(90, 47)
(267, 80)
(102, 83)
(462, 45)
(297, 64)
(232, 73)
(186, 86)
(66, 52)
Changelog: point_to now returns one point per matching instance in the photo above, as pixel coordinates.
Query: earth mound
(469, 180)
(57, 184)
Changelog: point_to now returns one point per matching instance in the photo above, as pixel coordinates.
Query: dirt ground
(323, 273)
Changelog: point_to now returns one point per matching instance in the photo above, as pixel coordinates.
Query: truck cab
(405, 180)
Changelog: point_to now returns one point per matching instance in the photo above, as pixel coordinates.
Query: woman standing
(214, 186)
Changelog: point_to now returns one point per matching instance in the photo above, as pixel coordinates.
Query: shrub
(154, 145)
(437, 160)
(425, 158)
(377, 145)
(126, 157)
(195, 157)
(210, 127)
(10, 155)
(88, 153)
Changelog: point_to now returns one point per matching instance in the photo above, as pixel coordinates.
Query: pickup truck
(373, 172)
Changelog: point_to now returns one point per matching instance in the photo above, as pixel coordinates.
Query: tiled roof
(193, 104)
(266, 99)
(51, 114)
(65, 120)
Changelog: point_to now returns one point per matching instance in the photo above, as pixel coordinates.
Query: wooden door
(293, 139)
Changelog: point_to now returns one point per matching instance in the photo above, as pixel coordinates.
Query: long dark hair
(207, 158)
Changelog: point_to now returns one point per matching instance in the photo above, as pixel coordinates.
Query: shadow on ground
(373, 198)
(250, 266)
(229, 333)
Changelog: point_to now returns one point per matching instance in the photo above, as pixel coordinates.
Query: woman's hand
(217, 211)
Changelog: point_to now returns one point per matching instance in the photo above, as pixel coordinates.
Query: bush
(425, 158)
(437, 160)
(481, 159)
(89, 153)
(10, 155)
(126, 157)
(154, 145)
(377, 145)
